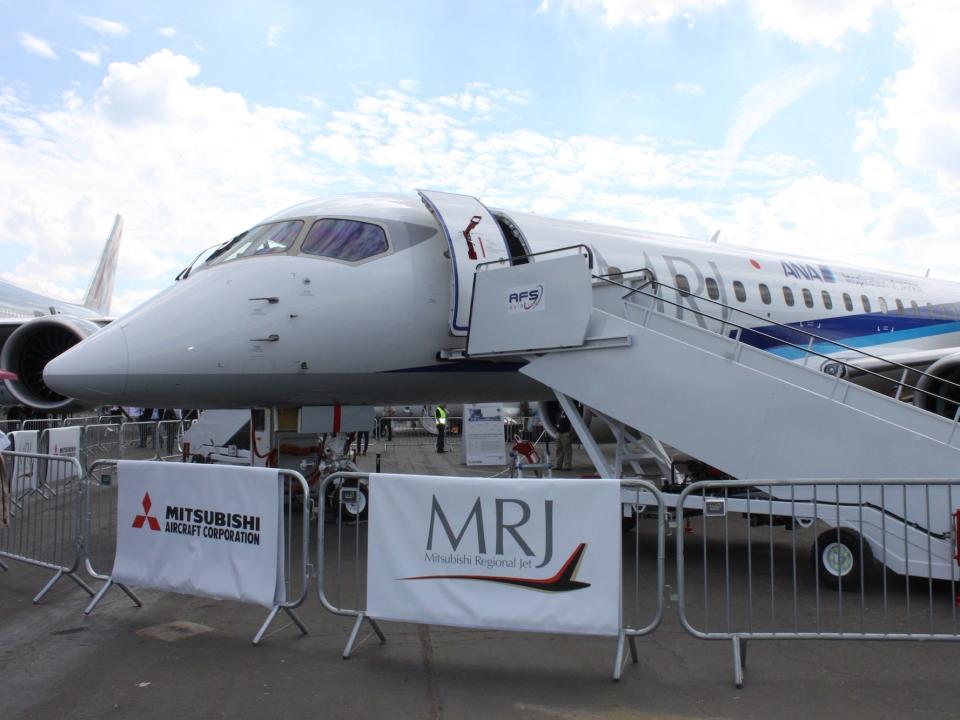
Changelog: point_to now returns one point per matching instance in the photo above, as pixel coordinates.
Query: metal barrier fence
(168, 439)
(784, 560)
(137, 440)
(44, 515)
(40, 425)
(7, 426)
(101, 539)
(406, 431)
(99, 442)
(80, 421)
(342, 570)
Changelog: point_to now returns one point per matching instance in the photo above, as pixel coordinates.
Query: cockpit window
(261, 240)
(348, 240)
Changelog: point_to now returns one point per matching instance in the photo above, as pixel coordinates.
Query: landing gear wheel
(840, 558)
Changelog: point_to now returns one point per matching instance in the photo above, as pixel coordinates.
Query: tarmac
(188, 657)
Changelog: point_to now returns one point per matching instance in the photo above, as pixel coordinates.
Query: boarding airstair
(648, 360)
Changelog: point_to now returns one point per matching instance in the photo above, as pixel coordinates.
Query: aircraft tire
(836, 556)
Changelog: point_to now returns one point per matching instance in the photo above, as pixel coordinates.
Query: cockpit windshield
(348, 240)
(261, 240)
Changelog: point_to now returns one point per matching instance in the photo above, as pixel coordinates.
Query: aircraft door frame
(473, 237)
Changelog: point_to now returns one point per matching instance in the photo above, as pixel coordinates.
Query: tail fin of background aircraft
(100, 293)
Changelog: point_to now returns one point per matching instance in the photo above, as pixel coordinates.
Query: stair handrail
(809, 350)
(512, 260)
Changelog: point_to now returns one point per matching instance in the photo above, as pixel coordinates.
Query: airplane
(362, 299)
(35, 328)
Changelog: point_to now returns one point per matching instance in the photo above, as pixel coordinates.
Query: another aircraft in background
(35, 328)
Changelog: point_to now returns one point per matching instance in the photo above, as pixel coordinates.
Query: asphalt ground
(185, 657)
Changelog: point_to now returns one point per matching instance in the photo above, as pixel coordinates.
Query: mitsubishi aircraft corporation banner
(541, 555)
(210, 530)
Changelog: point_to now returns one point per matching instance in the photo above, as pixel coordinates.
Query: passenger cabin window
(883, 305)
(788, 296)
(348, 240)
(740, 291)
(915, 307)
(765, 294)
(807, 298)
(262, 240)
(712, 290)
(848, 301)
(866, 303)
(827, 300)
(683, 285)
(900, 306)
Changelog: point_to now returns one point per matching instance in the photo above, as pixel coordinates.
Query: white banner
(210, 530)
(23, 477)
(499, 553)
(62, 442)
(483, 442)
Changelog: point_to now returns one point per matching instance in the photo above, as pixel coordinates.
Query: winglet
(100, 293)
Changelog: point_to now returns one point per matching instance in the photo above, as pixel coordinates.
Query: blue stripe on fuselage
(857, 331)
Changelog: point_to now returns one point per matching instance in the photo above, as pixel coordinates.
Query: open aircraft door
(474, 237)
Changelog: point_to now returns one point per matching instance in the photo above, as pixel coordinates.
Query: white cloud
(644, 12)
(805, 21)
(186, 165)
(765, 100)
(844, 222)
(408, 85)
(103, 26)
(690, 89)
(877, 174)
(816, 21)
(167, 32)
(91, 57)
(37, 46)
(273, 35)
(922, 104)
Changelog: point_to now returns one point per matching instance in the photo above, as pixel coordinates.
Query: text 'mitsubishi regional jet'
(35, 328)
(367, 299)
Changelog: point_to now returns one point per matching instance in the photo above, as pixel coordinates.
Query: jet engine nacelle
(28, 350)
(948, 396)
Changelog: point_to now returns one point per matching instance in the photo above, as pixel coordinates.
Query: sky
(828, 128)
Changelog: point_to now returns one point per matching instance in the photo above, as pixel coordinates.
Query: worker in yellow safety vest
(441, 420)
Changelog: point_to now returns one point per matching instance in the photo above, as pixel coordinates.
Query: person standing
(440, 415)
(388, 413)
(170, 418)
(564, 442)
(146, 432)
(363, 438)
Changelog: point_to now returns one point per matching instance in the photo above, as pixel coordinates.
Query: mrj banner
(541, 555)
(210, 530)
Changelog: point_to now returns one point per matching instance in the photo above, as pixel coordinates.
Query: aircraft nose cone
(95, 370)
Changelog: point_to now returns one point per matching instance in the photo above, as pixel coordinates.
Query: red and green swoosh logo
(563, 581)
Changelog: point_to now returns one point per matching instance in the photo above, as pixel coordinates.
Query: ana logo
(139, 520)
(808, 272)
(755, 263)
(525, 299)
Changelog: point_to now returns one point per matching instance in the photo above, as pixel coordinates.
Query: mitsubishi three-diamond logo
(139, 520)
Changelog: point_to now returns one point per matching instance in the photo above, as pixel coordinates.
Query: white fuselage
(291, 329)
